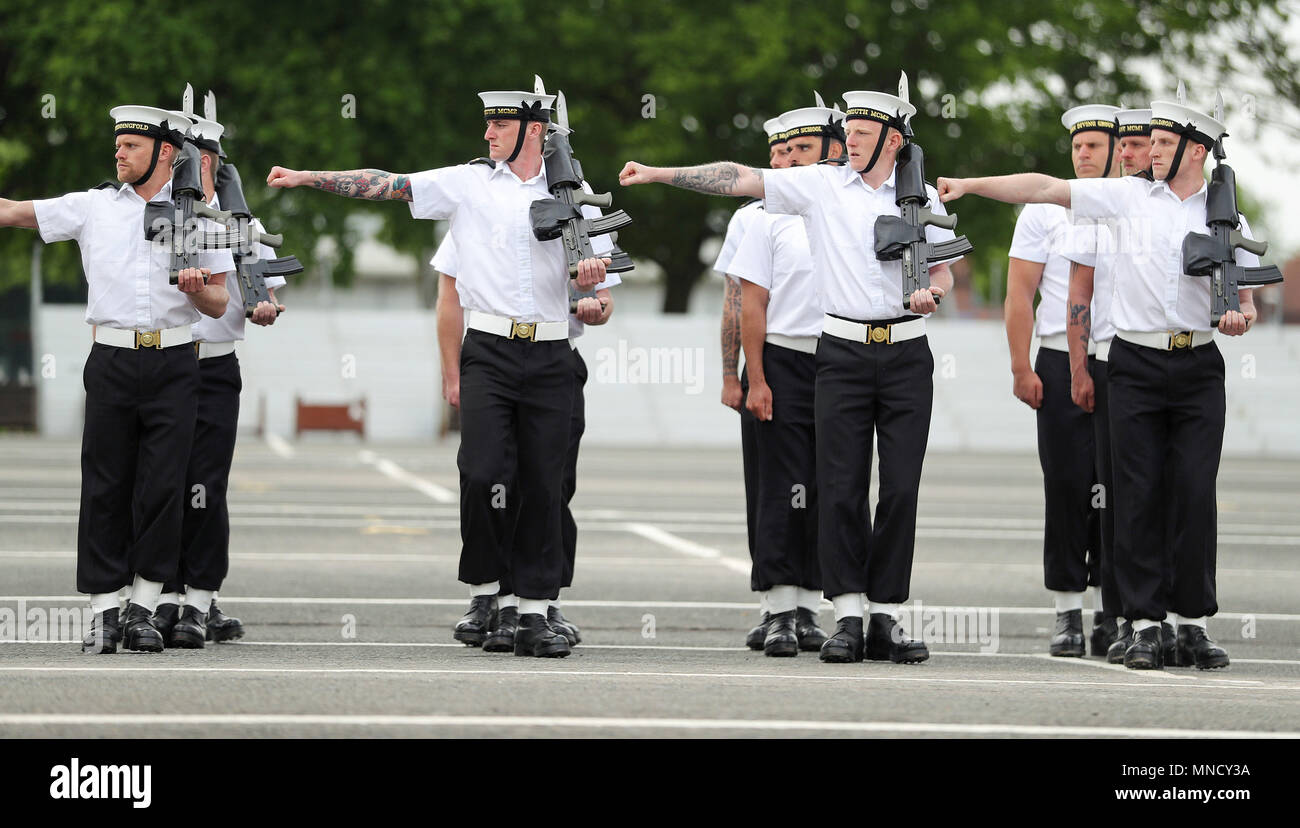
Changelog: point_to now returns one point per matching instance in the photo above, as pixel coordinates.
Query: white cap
(1184, 120)
(1091, 116)
(517, 106)
(1134, 122)
(877, 106)
(151, 122)
(813, 120)
(775, 130)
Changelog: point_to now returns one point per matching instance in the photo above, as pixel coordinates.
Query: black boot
(138, 631)
(502, 638)
(1168, 644)
(886, 640)
(755, 638)
(190, 631)
(811, 637)
(563, 626)
(781, 640)
(845, 646)
(534, 637)
(222, 627)
(1196, 649)
(104, 635)
(1104, 632)
(475, 625)
(1068, 640)
(1123, 638)
(1145, 650)
(164, 618)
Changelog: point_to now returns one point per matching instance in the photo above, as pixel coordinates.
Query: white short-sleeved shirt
(230, 327)
(839, 211)
(446, 260)
(1100, 256)
(736, 229)
(1149, 222)
(775, 255)
(126, 273)
(1046, 234)
(510, 273)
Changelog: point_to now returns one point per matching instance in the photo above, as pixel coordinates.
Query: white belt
(128, 338)
(1103, 351)
(867, 332)
(807, 344)
(510, 329)
(1168, 340)
(208, 350)
(1055, 342)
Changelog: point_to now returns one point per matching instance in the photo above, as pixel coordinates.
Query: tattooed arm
(721, 178)
(732, 396)
(375, 185)
(1078, 330)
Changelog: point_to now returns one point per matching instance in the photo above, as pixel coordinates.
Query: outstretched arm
(17, 214)
(1021, 188)
(375, 185)
(720, 178)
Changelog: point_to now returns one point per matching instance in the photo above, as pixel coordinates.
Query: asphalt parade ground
(344, 573)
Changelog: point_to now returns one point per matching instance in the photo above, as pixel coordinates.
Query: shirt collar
(1161, 187)
(852, 175)
(501, 167)
(164, 194)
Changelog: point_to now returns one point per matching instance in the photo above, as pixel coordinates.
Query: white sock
(810, 599)
(533, 606)
(554, 602)
(1172, 619)
(1195, 622)
(215, 596)
(475, 590)
(126, 593)
(103, 601)
(848, 605)
(1066, 601)
(782, 598)
(1144, 624)
(200, 599)
(504, 601)
(145, 593)
(887, 609)
(169, 598)
(762, 602)
(1095, 592)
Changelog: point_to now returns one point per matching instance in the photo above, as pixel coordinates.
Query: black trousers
(785, 537)
(140, 410)
(1167, 411)
(749, 465)
(1111, 606)
(863, 389)
(205, 530)
(1066, 453)
(516, 403)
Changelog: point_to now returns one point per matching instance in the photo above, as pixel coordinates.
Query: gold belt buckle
(524, 330)
(882, 333)
(1180, 340)
(148, 339)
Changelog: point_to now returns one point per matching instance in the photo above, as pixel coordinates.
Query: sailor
(1040, 257)
(141, 376)
(1165, 375)
(516, 366)
(874, 366)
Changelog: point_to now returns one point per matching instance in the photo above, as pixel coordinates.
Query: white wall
(674, 401)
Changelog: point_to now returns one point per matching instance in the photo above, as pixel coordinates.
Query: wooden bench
(340, 417)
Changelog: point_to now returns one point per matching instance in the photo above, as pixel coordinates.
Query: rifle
(251, 270)
(903, 237)
(1212, 255)
(175, 223)
(561, 216)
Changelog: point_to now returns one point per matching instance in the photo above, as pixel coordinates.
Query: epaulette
(487, 161)
(750, 201)
(107, 185)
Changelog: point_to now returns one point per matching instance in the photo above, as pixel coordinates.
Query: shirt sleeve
(63, 218)
(220, 260)
(936, 235)
(731, 241)
(1081, 242)
(435, 194)
(1030, 240)
(1099, 197)
(792, 191)
(1245, 258)
(753, 260)
(445, 260)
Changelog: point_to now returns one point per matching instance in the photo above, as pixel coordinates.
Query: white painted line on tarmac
(395, 472)
(279, 445)
(663, 538)
(624, 723)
